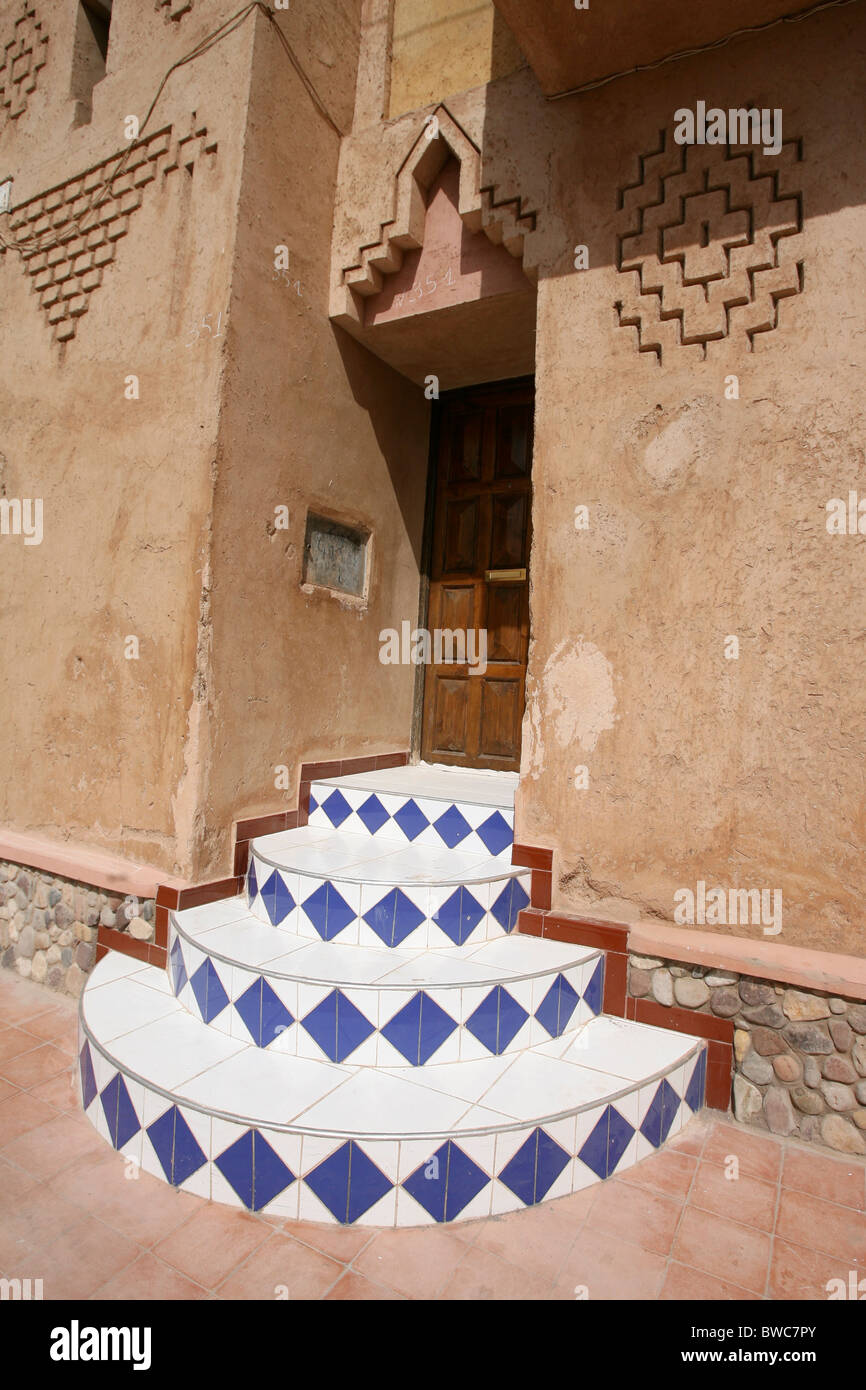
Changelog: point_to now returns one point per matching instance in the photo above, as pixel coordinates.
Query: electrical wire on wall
(793, 18)
(48, 240)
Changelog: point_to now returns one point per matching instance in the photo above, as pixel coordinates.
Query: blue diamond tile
(559, 1003)
(89, 1087)
(592, 995)
(208, 990)
(264, 1013)
(497, 1020)
(337, 1026)
(411, 820)
(120, 1114)
(459, 915)
(533, 1170)
(446, 1182)
(348, 1183)
(496, 834)
(373, 814)
(254, 1170)
(336, 808)
(419, 1029)
(252, 881)
(313, 805)
(176, 1146)
(660, 1115)
(394, 918)
(607, 1143)
(328, 911)
(511, 901)
(178, 966)
(277, 899)
(452, 827)
(694, 1096)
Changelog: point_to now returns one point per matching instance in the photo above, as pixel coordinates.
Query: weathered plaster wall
(310, 421)
(706, 519)
(93, 746)
(446, 47)
(707, 515)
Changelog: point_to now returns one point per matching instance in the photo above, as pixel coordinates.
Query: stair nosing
(338, 876)
(376, 1135)
(262, 969)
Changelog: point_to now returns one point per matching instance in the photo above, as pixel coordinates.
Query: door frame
(416, 731)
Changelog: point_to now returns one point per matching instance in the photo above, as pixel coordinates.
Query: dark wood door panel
(479, 577)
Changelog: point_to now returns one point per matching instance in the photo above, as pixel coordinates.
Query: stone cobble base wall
(799, 1055)
(49, 925)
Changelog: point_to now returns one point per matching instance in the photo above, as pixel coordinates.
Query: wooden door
(479, 579)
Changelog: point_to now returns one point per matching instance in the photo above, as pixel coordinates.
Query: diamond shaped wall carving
(67, 236)
(702, 245)
(20, 61)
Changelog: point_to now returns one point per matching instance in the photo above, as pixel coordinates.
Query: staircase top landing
(437, 782)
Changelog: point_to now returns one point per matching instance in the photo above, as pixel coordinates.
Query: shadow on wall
(400, 416)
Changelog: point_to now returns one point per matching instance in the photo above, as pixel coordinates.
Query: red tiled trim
(541, 889)
(170, 897)
(529, 857)
(615, 984)
(720, 1072)
(682, 1020)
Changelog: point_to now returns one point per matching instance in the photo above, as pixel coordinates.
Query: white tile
(381, 1103)
(537, 1086)
(173, 1049)
(111, 1012)
(193, 920)
(255, 1084)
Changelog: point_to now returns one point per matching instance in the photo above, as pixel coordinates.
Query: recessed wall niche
(336, 556)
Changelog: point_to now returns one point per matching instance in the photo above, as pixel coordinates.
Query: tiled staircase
(363, 1036)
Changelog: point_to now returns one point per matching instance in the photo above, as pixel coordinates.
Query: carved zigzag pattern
(20, 61)
(702, 241)
(68, 235)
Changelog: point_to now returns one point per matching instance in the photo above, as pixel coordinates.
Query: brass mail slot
(504, 576)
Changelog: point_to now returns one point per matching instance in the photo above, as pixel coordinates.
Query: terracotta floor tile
(29, 1068)
(834, 1179)
(41, 1215)
(212, 1243)
(14, 1041)
(743, 1199)
(340, 1242)
(572, 1209)
(635, 1214)
(354, 1287)
(797, 1272)
(148, 1279)
(685, 1285)
(483, 1277)
(7, 1089)
(61, 1091)
(723, 1248)
(537, 1240)
(20, 1001)
(667, 1172)
(83, 1258)
(417, 1263)
(610, 1268)
(286, 1265)
(692, 1139)
(62, 1140)
(142, 1208)
(14, 1182)
(21, 1113)
(52, 1024)
(759, 1157)
(820, 1225)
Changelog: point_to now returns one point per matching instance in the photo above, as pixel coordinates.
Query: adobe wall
(706, 514)
(311, 421)
(94, 745)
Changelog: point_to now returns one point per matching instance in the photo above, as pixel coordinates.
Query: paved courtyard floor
(673, 1227)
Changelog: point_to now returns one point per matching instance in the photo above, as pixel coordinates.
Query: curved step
(318, 1141)
(320, 883)
(391, 1008)
(429, 807)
